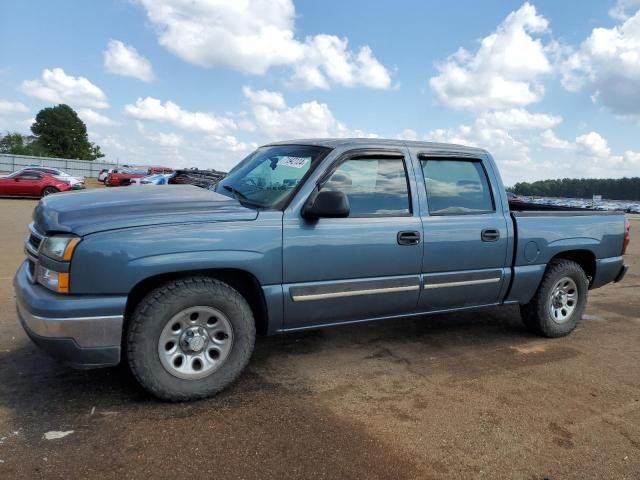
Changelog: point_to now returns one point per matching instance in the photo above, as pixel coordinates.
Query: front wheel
(558, 304)
(190, 338)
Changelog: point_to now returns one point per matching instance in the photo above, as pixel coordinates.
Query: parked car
(29, 183)
(77, 183)
(102, 175)
(154, 170)
(298, 236)
(123, 177)
(513, 198)
(157, 179)
(199, 178)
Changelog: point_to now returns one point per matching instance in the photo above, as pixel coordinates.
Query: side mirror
(327, 204)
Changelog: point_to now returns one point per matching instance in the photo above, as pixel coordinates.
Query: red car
(31, 184)
(121, 178)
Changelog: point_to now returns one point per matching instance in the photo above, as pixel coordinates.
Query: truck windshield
(267, 177)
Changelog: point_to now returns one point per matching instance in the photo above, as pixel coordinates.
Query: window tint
(30, 176)
(374, 186)
(456, 187)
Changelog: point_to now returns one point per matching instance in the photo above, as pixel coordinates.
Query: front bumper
(79, 330)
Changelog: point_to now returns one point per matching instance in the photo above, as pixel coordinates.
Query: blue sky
(551, 89)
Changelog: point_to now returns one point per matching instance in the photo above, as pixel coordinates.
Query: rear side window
(374, 186)
(457, 187)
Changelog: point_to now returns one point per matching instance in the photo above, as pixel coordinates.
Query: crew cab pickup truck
(299, 235)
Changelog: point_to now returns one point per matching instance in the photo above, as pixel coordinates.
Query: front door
(28, 184)
(465, 236)
(366, 265)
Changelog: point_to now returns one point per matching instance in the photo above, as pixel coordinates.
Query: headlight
(59, 247)
(56, 281)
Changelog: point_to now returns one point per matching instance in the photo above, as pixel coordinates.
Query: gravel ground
(467, 395)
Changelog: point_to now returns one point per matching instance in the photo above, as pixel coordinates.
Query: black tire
(152, 315)
(49, 191)
(538, 315)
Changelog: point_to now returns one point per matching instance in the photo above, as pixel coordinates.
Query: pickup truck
(299, 235)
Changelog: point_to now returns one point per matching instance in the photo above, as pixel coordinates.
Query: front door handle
(490, 235)
(410, 237)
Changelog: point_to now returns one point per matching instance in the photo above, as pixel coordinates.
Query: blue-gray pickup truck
(299, 235)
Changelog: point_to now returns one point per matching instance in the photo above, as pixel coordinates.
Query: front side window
(456, 187)
(268, 176)
(29, 176)
(374, 186)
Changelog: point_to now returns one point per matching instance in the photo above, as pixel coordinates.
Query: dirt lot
(454, 396)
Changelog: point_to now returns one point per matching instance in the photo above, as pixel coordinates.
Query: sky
(551, 89)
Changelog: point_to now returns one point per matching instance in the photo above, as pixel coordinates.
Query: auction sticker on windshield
(295, 162)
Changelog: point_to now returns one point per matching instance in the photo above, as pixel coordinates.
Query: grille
(31, 246)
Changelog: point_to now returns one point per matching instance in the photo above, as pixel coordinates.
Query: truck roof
(382, 142)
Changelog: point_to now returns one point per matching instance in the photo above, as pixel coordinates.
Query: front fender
(113, 262)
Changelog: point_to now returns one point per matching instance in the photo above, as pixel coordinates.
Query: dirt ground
(468, 395)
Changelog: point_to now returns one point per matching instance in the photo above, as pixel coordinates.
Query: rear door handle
(410, 237)
(490, 235)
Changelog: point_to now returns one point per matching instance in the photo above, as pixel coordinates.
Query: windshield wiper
(241, 197)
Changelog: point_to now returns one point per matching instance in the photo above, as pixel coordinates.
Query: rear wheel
(190, 338)
(49, 191)
(558, 304)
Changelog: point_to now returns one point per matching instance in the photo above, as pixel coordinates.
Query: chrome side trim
(352, 293)
(87, 332)
(462, 283)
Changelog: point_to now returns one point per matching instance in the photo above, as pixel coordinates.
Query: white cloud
(508, 151)
(275, 120)
(407, 134)
(125, 60)
(55, 86)
(505, 70)
(150, 108)
(252, 36)
(265, 97)
(7, 106)
(327, 60)
(520, 119)
(93, 118)
(593, 145)
(608, 64)
(591, 156)
(621, 10)
(549, 139)
(166, 139)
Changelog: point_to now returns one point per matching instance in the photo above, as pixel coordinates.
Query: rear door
(364, 266)
(465, 234)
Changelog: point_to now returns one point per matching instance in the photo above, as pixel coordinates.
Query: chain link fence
(78, 168)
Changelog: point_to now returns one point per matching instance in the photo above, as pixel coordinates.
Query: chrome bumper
(86, 332)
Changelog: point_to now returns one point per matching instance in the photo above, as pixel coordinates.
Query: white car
(156, 179)
(77, 183)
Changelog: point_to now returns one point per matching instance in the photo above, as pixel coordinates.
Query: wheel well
(584, 258)
(244, 282)
(48, 186)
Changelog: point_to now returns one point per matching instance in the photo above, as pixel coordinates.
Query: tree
(15, 143)
(609, 188)
(61, 133)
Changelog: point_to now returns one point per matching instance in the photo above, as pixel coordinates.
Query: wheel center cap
(196, 343)
(194, 339)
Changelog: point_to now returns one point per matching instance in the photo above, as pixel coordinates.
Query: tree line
(609, 188)
(56, 132)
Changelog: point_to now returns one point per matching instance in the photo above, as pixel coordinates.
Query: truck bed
(540, 209)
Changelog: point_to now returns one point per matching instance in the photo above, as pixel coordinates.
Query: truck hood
(93, 211)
